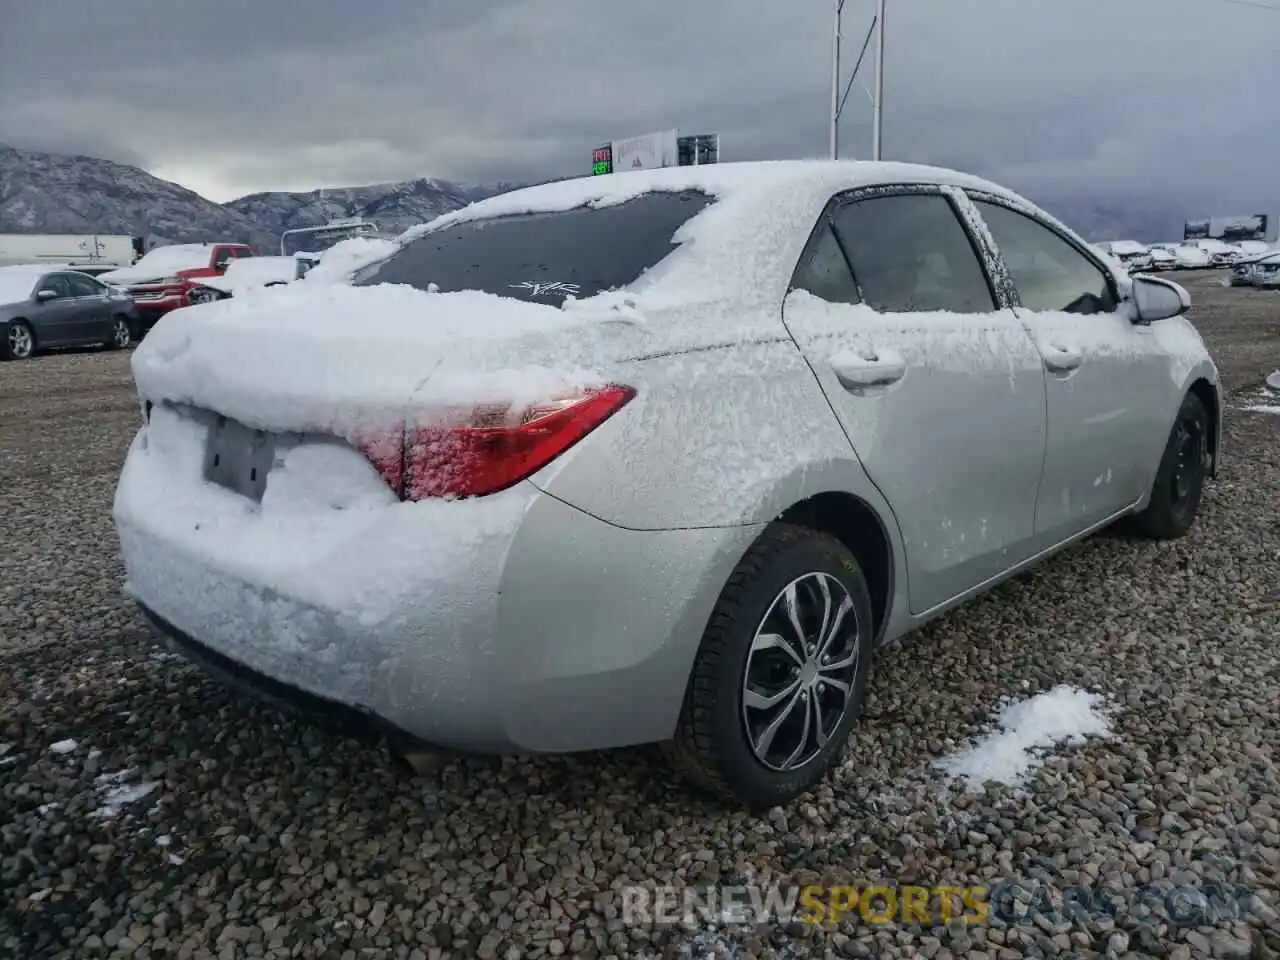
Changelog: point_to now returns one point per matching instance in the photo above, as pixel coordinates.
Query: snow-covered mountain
(393, 206)
(52, 193)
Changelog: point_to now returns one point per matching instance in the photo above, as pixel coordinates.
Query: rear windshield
(545, 257)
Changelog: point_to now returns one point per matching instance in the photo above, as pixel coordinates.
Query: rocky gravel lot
(184, 821)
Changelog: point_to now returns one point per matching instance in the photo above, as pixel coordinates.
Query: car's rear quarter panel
(710, 439)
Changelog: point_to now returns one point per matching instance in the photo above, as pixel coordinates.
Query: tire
(1179, 484)
(121, 334)
(714, 746)
(19, 342)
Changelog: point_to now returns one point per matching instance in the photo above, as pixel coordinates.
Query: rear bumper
(332, 715)
(509, 624)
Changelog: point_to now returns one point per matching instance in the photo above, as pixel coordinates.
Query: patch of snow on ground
(1027, 730)
(1266, 400)
(118, 794)
(63, 747)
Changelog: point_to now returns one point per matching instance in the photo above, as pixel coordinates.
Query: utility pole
(835, 85)
(837, 99)
(877, 130)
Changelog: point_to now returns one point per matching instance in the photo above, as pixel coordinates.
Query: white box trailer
(82, 249)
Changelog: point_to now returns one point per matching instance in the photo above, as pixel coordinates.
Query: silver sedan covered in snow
(653, 457)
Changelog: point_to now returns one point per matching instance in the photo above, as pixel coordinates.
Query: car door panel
(92, 310)
(945, 409)
(1103, 375)
(54, 321)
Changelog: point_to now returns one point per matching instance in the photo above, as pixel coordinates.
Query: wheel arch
(862, 531)
(1208, 394)
(836, 497)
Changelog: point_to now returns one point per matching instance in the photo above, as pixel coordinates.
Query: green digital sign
(602, 160)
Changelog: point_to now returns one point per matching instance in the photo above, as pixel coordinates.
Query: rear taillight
(490, 449)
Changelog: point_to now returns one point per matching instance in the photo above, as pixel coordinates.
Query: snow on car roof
(18, 282)
(162, 261)
(745, 244)
(770, 178)
(179, 256)
(1127, 246)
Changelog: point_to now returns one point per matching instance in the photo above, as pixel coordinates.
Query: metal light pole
(835, 85)
(877, 129)
(838, 100)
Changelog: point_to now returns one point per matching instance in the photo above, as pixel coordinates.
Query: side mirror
(43, 296)
(1155, 298)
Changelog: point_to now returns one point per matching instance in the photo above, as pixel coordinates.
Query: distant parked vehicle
(163, 279)
(72, 250)
(321, 238)
(1220, 254)
(1255, 248)
(40, 308)
(1133, 256)
(337, 265)
(1162, 259)
(1261, 272)
(243, 274)
(1192, 257)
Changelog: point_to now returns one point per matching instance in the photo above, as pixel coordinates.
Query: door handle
(855, 371)
(1062, 359)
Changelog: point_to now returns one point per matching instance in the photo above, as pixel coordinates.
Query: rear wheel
(1179, 485)
(780, 677)
(121, 334)
(19, 342)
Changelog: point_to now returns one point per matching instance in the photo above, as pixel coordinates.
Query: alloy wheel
(120, 335)
(800, 672)
(19, 341)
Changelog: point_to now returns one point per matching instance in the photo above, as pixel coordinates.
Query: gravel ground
(188, 822)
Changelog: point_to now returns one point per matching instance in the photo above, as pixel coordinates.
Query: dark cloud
(1165, 98)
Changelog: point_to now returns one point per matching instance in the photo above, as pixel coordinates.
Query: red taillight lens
(494, 448)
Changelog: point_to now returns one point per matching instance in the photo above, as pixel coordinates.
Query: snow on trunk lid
(335, 359)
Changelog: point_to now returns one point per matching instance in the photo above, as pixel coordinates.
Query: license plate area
(240, 458)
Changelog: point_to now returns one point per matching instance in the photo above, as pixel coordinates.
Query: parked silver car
(43, 306)
(1262, 272)
(824, 403)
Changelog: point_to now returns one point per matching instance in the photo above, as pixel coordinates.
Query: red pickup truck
(162, 280)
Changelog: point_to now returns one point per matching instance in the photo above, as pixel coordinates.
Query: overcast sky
(1171, 98)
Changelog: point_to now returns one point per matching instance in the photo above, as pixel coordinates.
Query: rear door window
(545, 257)
(910, 254)
(823, 270)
